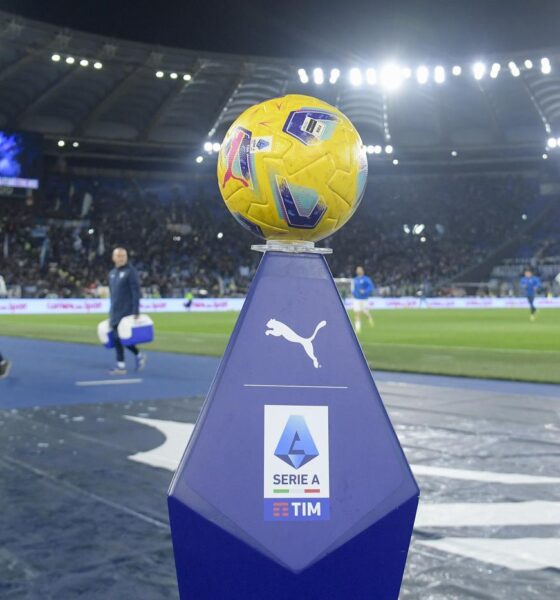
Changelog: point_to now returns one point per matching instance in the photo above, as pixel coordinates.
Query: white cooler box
(132, 331)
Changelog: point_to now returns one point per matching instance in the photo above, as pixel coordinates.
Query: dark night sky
(345, 30)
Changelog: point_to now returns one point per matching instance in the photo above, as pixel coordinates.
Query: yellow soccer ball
(292, 169)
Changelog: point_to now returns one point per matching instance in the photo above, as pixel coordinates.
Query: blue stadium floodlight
(456, 70)
(528, 64)
(389, 149)
(479, 70)
(303, 77)
(545, 66)
(216, 146)
(454, 153)
(335, 74)
(514, 69)
(356, 76)
(439, 74)
(371, 76)
(392, 76)
(495, 70)
(545, 156)
(370, 149)
(552, 143)
(199, 159)
(207, 146)
(395, 161)
(422, 74)
(377, 149)
(318, 76)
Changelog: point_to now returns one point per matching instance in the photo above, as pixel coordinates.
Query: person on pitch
(530, 284)
(124, 286)
(5, 366)
(362, 289)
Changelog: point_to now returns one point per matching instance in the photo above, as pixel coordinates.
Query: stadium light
(97, 65)
(208, 146)
(187, 77)
(377, 149)
(439, 74)
(61, 143)
(75, 144)
(371, 76)
(70, 60)
(545, 156)
(199, 159)
(524, 217)
(159, 74)
(456, 70)
(545, 66)
(418, 229)
(220, 235)
(318, 76)
(528, 64)
(552, 142)
(392, 76)
(303, 76)
(407, 72)
(422, 239)
(335, 74)
(453, 153)
(216, 146)
(91, 231)
(479, 70)
(495, 70)
(395, 161)
(514, 69)
(55, 57)
(406, 228)
(422, 74)
(173, 75)
(355, 76)
(84, 62)
(369, 149)
(389, 149)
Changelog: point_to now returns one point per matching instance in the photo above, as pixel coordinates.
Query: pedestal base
(294, 484)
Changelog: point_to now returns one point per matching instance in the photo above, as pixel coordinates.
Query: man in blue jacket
(125, 301)
(362, 289)
(531, 284)
(5, 366)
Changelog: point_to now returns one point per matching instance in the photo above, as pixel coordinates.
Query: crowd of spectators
(410, 234)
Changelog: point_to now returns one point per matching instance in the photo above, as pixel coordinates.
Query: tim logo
(278, 329)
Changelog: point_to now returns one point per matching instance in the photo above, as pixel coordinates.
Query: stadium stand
(411, 233)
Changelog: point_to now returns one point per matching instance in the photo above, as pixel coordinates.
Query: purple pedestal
(294, 484)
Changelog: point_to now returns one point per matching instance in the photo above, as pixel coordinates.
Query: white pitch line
(485, 476)
(107, 382)
(318, 387)
(517, 554)
(495, 514)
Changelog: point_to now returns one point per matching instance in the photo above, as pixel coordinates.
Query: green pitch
(477, 343)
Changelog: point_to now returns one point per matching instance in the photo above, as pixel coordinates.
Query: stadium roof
(147, 98)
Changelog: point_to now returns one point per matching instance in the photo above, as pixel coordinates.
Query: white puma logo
(279, 329)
